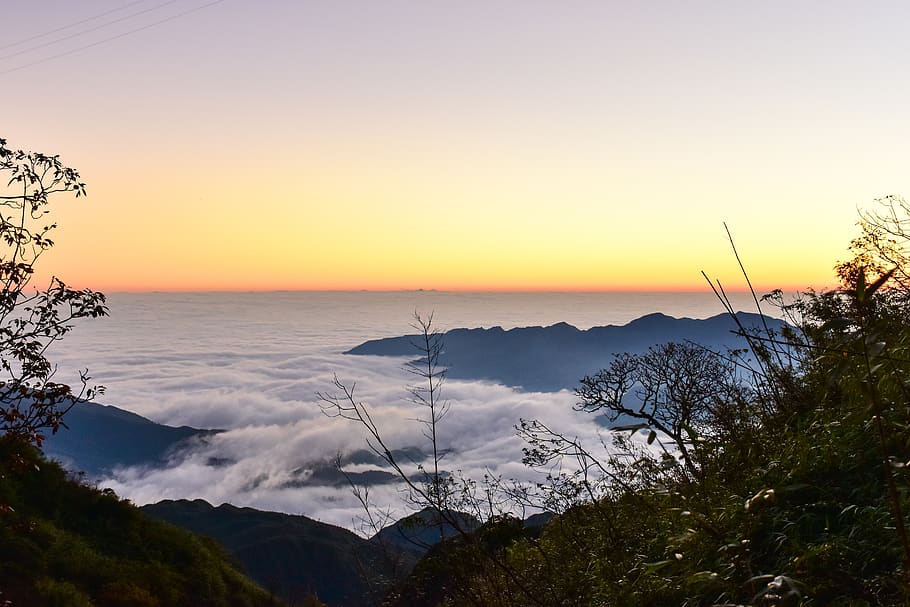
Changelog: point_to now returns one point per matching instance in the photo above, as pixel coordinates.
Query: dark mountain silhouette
(418, 532)
(292, 556)
(99, 438)
(548, 359)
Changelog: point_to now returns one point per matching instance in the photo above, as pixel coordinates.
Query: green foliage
(776, 477)
(60, 594)
(64, 543)
(31, 402)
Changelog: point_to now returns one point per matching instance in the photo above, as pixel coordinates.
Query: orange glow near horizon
(405, 159)
(191, 282)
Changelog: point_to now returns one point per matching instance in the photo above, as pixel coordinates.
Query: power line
(74, 24)
(86, 31)
(99, 42)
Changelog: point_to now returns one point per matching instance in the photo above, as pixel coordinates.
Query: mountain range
(553, 358)
(100, 438)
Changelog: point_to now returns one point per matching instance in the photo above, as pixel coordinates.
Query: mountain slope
(99, 438)
(419, 532)
(289, 555)
(66, 543)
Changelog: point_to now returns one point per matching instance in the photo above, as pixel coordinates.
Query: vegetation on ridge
(67, 544)
(291, 556)
(773, 477)
(32, 402)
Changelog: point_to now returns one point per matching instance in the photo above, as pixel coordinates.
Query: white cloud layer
(254, 371)
(270, 437)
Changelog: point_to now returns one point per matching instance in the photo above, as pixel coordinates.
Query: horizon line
(707, 290)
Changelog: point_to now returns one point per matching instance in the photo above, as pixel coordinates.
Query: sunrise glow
(519, 146)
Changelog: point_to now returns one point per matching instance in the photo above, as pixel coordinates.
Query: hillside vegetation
(292, 556)
(66, 544)
(777, 477)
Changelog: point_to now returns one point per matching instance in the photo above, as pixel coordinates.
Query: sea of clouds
(253, 364)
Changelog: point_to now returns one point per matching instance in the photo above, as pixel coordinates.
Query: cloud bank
(252, 366)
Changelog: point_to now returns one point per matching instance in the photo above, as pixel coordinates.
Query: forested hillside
(64, 543)
(292, 556)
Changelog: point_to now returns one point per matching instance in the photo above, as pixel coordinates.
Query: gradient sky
(459, 145)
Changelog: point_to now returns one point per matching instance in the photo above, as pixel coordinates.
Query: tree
(684, 391)
(31, 319)
(883, 245)
(469, 521)
(432, 488)
(773, 477)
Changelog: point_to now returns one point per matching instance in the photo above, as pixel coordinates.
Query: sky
(501, 145)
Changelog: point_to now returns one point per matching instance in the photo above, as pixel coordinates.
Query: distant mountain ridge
(549, 359)
(418, 532)
(99, 438)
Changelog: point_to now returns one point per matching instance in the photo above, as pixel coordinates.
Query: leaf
(630, 427)
(861, 285)
(693, 435)
(848, 509)
(703, 576)
(837, 324)
(875, 286)
(876, 349)
(655, 566)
